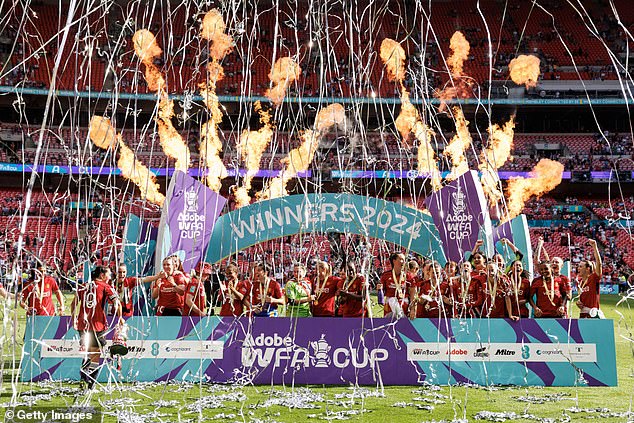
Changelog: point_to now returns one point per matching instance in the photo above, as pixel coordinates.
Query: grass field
(194, 402)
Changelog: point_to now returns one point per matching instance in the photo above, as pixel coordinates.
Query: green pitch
(198, 402)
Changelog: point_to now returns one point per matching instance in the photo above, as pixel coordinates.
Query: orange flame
(544, 177)
(300, 158)
(252, 145)
(147, 49)
(524, 70)
(213, 29)
(496, 154)
(284, 72)
(393, 57)
(103, 135)
(458, 145)
(459, 53)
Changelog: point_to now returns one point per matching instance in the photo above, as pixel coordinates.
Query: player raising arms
(89, 319)
(588, 278)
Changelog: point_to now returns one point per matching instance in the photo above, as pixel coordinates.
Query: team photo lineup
(431, 200)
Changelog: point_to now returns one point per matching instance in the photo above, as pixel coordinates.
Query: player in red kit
(352, 293)
(519, 289)
(563, 281)
(195, 295)
(549, 301)
(124, 286)
(324, 291)
(467, 292)
(37, 296)
(431, 297)
(497, 303)
(169, 290)
(588, 278)
(396, 283)
(266, 294)
(89, 319)
(233, 292)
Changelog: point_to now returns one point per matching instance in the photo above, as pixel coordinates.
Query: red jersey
(519, 297)
(168, 296)
(589, 291)
(232, 306)
(257, 297)
(468, 298)
(548, 296)
(351, 307)
(93, 297)
(494, 304)
(390, 285)
(40, 297)
(436, 307)
(325, 293)
(195, 289)
(124, 290)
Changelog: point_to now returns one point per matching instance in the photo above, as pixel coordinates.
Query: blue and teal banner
(530, 352)
(346, 213)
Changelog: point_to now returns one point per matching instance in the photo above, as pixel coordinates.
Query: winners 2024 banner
(542, 352)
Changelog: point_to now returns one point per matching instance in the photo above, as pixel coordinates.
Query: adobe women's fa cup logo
(459, 221)
(190, 223)
(321, 349)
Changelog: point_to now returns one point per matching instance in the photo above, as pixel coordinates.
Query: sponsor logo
(526, 352)
(504, 352)
(190, 223)
(59, 349)
(281, 351)
(457, 351)
(177, 349)
(424, 351)
(549, 352)
(481, 352)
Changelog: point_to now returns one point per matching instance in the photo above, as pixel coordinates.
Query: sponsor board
(502, 352)
(210, 350)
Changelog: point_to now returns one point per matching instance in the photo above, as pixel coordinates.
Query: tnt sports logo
(155, 349)
(481, 352)
(281, 351)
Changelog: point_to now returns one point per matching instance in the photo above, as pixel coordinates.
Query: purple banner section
(460, 212)
(190, 213)
(265, 351)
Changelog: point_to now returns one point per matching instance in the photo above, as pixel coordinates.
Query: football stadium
(285, 210)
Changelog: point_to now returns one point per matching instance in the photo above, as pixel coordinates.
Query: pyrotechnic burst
(104, 136)
(285, 71)
(213, 29)
(544, 177)
(496, 154)
(147, 50)
(299, 159)
(524, 70)
(393, 56)
(252, 145)
(456, 148)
